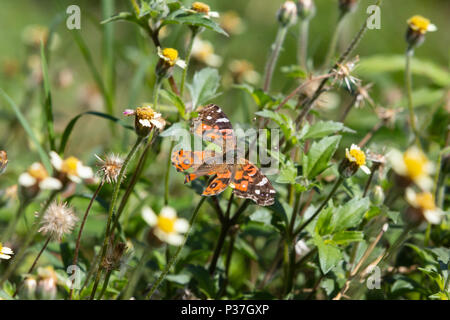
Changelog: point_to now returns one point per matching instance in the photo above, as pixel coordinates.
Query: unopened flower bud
(287, 14)
(306, 9)
(346, 6)
(28, 290)
(377, 196)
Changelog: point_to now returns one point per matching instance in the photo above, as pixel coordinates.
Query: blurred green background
(134, 59)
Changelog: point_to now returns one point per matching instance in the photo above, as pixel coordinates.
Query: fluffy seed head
(110, 167)
(58, 220)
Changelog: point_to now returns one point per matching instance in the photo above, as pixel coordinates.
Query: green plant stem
(105, 284)
(408, 83)
(303, 226)
(177, 252)
(137, 272)
(31, 234)
(302, 49)
(13, 223)
(223, 290)
(111, 210)
(80, 232)
(271, 63)
(397, 244)
(187, 59)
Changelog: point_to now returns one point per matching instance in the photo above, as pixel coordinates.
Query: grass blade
(48, 108)
(43, 155)
(71, 125)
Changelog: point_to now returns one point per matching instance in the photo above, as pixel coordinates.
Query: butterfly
(244, 177)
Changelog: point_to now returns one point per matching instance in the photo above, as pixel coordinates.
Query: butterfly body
(228, 166)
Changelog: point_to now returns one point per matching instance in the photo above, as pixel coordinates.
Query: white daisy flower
(166, 226)
(413, 165)
(170, 56)
(36, 175)
(425, 202)
(5, 252)
(357, 156)
(72, 167)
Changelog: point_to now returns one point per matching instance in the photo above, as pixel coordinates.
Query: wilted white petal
(174, 239)
(149, 216)
(56, 160)
(365, 169)
(411, 197)
(157, 123)
(181, 225)
(181, 63)
(4, 256)
(50, 184)
(434, 216)
(145, 123)
(84, 172)
(168, 212)
(26, 180)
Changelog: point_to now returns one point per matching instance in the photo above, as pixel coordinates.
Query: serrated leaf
(261, 215)
(349, 215)
(329, 254)
(204, 86)
(175, 130)
(261, 98)
(319, 155)
(182, 279)
(287, 174)
(193, 19)
(322, 129)
(176, 101)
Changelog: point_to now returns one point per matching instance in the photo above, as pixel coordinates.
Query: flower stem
(111, 211)
(276, 47)
(408, 83)
(303, 226)
(31, 234)
(137, 272)
(177, 252)
(77, 246)
(302, 49)
(333, 42)
(105, 284)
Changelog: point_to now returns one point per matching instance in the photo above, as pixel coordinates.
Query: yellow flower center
(415, 164)
(419, 23)
(426, 201)
(166, 224)
(359, 156)
(70, 166)
(145, 113)
(38, 172)
(170, 54)
(1, 247)
(200, 7)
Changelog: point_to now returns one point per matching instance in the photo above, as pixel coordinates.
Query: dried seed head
(58, 220)
(287, 14)
(110, 167)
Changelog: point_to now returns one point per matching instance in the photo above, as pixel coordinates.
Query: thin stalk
(220, 242)
(137, 272)
(77, 246)
(347, 109)
(276, 47)
(227, 264)
(408, 83)
(31, 234)
(177, 252)
(370, 134)
(111, 210)
(374, 168)
(303, 226)
(302, 49)
(187, 59)
(105, 284)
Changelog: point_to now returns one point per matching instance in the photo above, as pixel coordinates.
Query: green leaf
(319, 155)
(182, 279)
(71, 125)
(294, 71)
(244, 248)
(442, 254)
(43, 155)
(329, 254)
(323, 224)
(193, 19)
(47, 100)
(261, 98)
(380, 64)
(261, 215)
(204, 86)
(350, 215)
(345, 237)
(122, 16)
(287, 174)
(205, 283)
(322, 129)
(176, 101)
